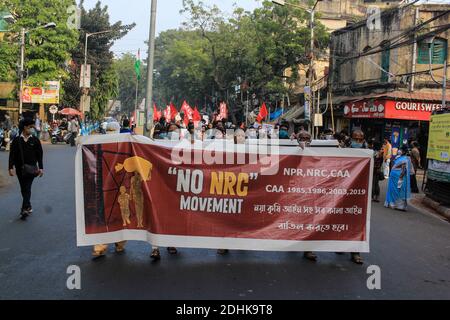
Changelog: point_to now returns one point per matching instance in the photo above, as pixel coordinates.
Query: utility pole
(148, 128)
(22, 62)
(444, 87)
(84, 72)
(311, 66)
(312, 12)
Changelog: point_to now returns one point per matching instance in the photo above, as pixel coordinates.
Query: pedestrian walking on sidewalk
(26, 157)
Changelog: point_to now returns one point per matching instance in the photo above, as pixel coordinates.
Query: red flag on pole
(263, 113)
(156, 114)
(188, 113)
(173, 111)
(196, 117)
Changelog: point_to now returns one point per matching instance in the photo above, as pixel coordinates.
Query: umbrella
(70, 112)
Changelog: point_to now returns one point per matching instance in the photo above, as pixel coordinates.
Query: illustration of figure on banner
(124, 202)
(142, 170)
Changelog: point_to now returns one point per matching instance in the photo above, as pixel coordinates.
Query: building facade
(386, 75)
(334, 15)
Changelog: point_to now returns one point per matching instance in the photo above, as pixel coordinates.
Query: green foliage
(47, 50)
(109, 90)
(104, 79)
(214, 53)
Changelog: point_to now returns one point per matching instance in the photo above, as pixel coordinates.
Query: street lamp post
(151, 59)
(83, 74)
(22, 58)
(312, 13)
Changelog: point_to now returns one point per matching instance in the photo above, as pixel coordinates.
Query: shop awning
(293, 113)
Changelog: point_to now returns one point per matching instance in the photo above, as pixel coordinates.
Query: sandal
(99, 250)
(356, 258)
(310, 256)
(120, 247)
(172, 250)
(98, 254)
(155, 255)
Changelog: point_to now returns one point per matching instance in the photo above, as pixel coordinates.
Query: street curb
(444, 211)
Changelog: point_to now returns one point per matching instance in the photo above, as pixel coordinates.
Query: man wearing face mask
(26, 157)
(304, 139)
(358, 142)
(284, 134)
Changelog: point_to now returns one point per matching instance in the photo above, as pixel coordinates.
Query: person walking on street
(26, 156)
(7, 124)
(387, 155)
(74, 128)
(358, 142)
(416, 160)
(399, 187)
(378, 174)
(38, 127)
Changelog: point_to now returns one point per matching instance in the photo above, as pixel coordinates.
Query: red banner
(222, 195)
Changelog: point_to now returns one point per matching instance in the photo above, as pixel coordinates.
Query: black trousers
(25, 189)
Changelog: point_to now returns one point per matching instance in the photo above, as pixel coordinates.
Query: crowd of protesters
(400, 167)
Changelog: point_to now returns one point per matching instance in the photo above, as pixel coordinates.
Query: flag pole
(137, 97)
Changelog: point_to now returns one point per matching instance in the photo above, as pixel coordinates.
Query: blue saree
(399, 187)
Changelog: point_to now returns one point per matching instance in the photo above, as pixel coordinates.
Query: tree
(47, 50)
(183, 66)
(214, 53)
(104, 79)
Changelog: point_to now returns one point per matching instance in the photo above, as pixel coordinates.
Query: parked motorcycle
(59, 137)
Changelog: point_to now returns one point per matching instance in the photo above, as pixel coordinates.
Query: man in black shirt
(26, 149)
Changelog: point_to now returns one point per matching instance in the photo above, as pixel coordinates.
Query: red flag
(173, 111)
(156, 114)
(196, 117)
(223, 114)
(188, 113)
(263, 113)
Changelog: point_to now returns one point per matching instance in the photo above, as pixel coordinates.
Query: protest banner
(221, 195)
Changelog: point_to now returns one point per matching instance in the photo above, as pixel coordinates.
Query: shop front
(399, 120)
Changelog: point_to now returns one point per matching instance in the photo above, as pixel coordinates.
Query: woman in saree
(399, 187)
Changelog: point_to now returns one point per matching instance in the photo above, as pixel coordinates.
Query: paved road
(412, 249)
